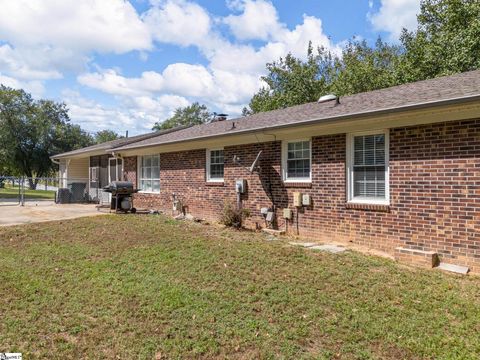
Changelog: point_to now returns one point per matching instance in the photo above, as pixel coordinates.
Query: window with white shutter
(368, 168)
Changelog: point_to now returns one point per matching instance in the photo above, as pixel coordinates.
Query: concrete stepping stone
(454, 268)
(303, 244)
(334, 249)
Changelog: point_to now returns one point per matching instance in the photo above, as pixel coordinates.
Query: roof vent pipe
(329, 97)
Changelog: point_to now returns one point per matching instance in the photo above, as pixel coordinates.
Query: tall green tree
(292, 81)
(193, 114)
(446, 41)
(105, 135)
(363, 68)
(33, 130)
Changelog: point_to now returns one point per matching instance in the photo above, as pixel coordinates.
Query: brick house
(396, 169)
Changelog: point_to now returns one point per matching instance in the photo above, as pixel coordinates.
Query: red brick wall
(182, 173)
(434, 190)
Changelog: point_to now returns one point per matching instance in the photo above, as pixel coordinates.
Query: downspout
(66, 172)
(56, 162)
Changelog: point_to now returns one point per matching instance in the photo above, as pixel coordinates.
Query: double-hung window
(215, 165)
(367, 156)
(297, 161)
(149, 173)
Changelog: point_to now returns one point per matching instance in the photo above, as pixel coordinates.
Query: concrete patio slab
(33, 212)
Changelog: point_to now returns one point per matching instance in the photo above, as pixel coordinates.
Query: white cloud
(178, 22)
(282, 42)
(186, 23)
(136, 114)
(217, 87)
(87, 25)
(111, 82)
(42, 39)
(296, 40)
(394, 15)
(189, 80)
(23, 65)
(233, 72)
(258, 20)
(34, 87)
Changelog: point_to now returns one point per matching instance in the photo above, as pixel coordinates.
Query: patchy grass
(12, 193)
(145, 287)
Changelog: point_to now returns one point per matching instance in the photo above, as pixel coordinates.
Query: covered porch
(85, 177)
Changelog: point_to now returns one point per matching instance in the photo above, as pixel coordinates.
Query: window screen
(298, 160)
(150, 173)
(369, 166)
(216, 165)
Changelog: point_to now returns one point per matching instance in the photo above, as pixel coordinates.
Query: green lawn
(144, 286)
(12, 193)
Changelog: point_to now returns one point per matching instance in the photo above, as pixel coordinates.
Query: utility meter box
(269, 216)
(287, 214)
(241, 186)
(297, 199)
(306, 200)
(177, 206)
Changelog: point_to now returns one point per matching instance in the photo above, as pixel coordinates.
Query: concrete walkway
(40, 211)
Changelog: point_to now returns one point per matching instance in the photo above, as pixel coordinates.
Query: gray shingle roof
(428, 93)
(111, 145)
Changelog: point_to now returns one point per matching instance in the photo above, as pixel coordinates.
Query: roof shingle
(422, 93)
(110, 145)
(425, 92)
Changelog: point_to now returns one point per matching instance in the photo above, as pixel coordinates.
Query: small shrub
(232, 216)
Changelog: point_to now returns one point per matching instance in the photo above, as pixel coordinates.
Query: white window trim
(350, 198)
(214, 180)
(139, 169)
(285, 177)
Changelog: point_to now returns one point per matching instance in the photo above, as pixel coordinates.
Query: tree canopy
(292, 81)
(193, 114)
(105, 135)
(33, 130)
(446, 41)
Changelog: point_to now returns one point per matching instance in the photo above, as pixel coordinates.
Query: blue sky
(122, 65)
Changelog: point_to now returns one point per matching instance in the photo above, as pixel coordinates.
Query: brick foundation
(434, 191)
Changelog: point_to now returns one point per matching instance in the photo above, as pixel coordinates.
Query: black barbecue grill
(122, 199)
